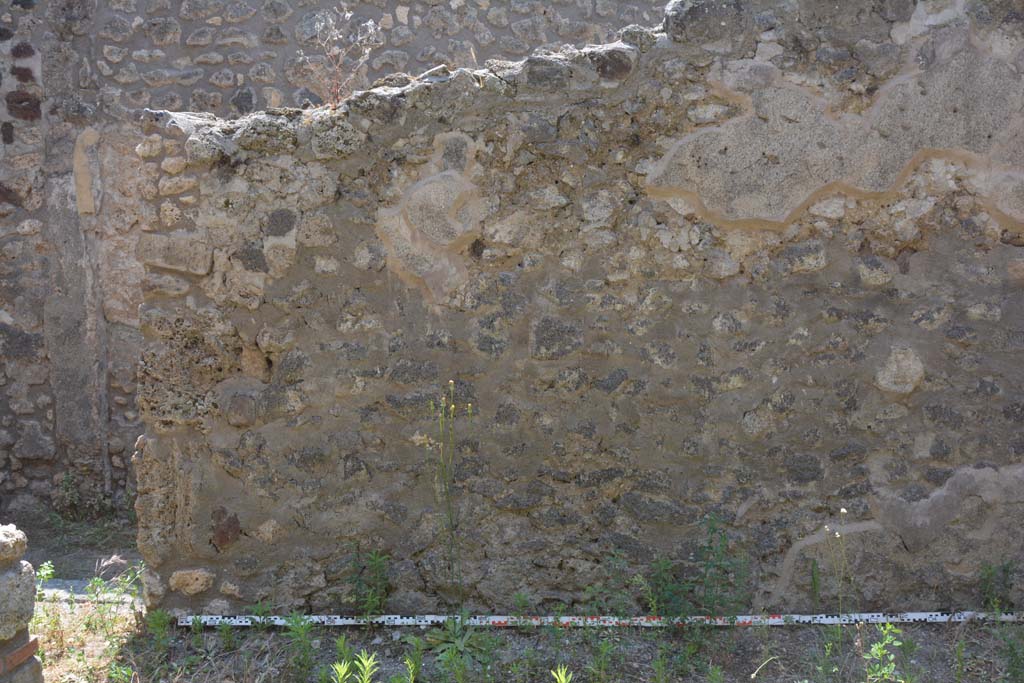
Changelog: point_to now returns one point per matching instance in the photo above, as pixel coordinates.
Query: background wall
(763, 264)
(70, 285)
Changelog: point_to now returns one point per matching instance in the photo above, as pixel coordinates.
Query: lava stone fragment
(23, 105)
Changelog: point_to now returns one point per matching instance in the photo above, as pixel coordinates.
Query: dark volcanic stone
(280, 222)
(553, 338)
(22, 51)
(23, 105)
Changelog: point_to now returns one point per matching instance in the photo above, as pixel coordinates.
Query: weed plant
(612, 593)
(521, 608)
(602, 661)
(196, 629)
(370, 584)
(458, 637)
(716, 584)
(413, 661)
(446, 416)
(561, 674)
(343, 652)
(343, 671)
(880, 659)
(158, 625)
(260, 611)
(298, 632)
(367, 666)
(44, 573)
(831, 663)
(996, 585)
(661, 667)
(226, 635)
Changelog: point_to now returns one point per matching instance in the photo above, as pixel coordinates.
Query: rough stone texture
(17, 598)
(265, 54)
(762, 262)
(902, 371)
(191, 581)
(61, 416)
(12, 544)
(71, 75)
(17, 603)
(766, 273)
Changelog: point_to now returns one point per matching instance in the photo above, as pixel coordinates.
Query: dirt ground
(783, 655)
(89, 642)
(78, 550)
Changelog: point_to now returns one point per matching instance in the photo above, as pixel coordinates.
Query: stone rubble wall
(56, 431)
(18, 663)
(235, 56)
(764, 262)
(71, 73)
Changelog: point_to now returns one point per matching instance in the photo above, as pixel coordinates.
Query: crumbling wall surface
(703, 270)
(71, 73)
(234, 56)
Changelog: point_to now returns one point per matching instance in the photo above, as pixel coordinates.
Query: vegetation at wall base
(98, 640)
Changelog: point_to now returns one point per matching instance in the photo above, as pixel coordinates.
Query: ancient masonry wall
(71, 72)
(764, 262)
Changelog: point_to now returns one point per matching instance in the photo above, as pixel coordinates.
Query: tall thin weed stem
(840, 568)
(446, 415)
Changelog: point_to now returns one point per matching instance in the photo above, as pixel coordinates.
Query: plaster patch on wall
(972, 503)
(82, 166)
(764, 168)
(788, 567)
(920, 523)
(436, 219)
